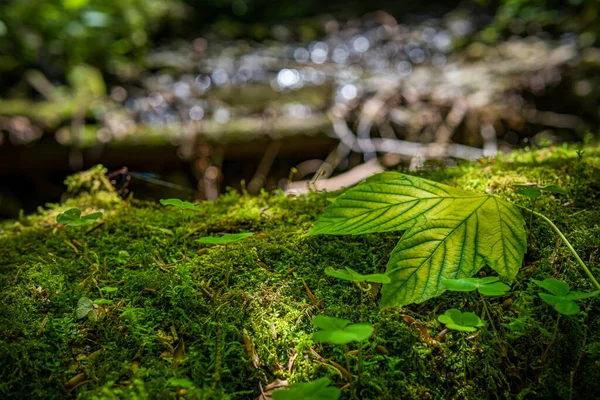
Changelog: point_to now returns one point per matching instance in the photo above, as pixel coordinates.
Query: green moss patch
(164, 324)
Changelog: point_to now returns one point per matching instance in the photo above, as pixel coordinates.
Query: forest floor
(162, 323)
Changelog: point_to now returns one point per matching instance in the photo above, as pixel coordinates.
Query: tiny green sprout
(562, 299)
(225, 239)
(318, 389)
(182, 205)
(85, 306)
(536, 191)
(351, 275)
(122, 257)
(488, 286)
(73, 217)
(338, 331)
(460, 321)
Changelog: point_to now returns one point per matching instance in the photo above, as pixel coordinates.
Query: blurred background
(193, 96)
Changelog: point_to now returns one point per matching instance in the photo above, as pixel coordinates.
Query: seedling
(89, 308)
(182, 206)
(318, 389)
(349, 274)
(562, 299)
(340, 331)
(73, 217)
(225, 240)
(461, 321)
(487, 286)
(534, 191)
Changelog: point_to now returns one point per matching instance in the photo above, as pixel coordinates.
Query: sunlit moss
(262, 319)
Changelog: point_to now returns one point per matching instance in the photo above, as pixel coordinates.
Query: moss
(171, 318)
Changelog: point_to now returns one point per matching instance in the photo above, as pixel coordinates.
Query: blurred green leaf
(317, 390)
(351, 275)
(337, 331)
(225, 239)
(182, 205)
(488, 286)
(72, 217)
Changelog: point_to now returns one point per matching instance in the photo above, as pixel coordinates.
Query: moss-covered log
(163, 324)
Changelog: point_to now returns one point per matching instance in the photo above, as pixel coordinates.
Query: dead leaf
(424, 335)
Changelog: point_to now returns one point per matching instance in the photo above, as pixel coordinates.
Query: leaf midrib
(439, 244)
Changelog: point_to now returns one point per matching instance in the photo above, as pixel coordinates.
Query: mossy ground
(172, 321)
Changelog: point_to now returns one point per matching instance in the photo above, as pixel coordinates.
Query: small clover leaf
(182, 205)
(84, 306)
(460, 321)
(337, 331)
(562, 299)
(318, 389)
(351, 275)
(226, 239)
(488, 286)
(72, 217)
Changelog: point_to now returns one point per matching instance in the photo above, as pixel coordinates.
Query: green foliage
(225, 239)
(164, 295)
(449, 233)
(182, 205)
(57, 34)
(349, 274)
(84, 306)
(536, 191)
(338, 331)
(461, 321)
(73, 217)
(488, 286)
(318, 389)
(562, 299)
(122, 257)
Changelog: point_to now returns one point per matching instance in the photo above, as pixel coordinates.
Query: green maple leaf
(449, 233)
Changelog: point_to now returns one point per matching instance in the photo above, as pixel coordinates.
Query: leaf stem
(227, 266)
(551, 340)
(531, 218)
(487, 311)
(565, 241)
